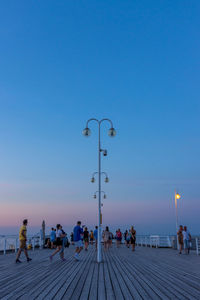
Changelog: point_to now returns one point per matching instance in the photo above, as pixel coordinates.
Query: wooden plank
(144, 274)
(115, 283)
(94, 283)
(101, 283)
(108, 285)
(86, 288)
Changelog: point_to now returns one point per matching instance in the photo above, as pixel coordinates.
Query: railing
(11, 243)
(157, 241)
(197, 245)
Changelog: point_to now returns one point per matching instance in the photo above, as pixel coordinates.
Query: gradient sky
(136, 62)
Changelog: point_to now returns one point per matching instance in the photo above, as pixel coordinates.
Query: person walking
(72, 238)
(125, 235)
(106, 235)
(186, 240)
(128, 238)
(59, 236)
(180, 239)
(86, 238)
(78, 232)
(22, 242)
(110, 239)
(96, 236)
(64, 241)
(118, 237)
(53, 237)
(91, 237)
(133, 238)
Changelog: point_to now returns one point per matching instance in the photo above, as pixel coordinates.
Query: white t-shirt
(58, 233)
(185, 235)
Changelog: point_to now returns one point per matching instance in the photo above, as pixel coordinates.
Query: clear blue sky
(136, 62)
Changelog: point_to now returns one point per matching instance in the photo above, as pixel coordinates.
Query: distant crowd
(81, 237)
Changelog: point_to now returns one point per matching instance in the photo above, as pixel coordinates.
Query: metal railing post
(197, 246)
(4, 251)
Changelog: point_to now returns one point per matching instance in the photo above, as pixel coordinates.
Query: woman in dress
(106, 236)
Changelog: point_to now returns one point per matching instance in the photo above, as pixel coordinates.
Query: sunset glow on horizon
(135, 63)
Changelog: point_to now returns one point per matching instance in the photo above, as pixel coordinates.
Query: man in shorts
(22, 242)
(78, 232)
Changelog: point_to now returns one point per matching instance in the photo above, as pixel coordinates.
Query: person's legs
(185, 246)
(86, 245)
(57, 250)
(96, 244)
(188, 247)
(180, 248)
(26, 253)
(18, 254)
(80, 249)
(133, 247)
(22, 247)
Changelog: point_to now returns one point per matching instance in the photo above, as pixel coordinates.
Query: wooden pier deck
(144, 274)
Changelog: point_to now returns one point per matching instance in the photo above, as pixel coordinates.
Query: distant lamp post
(111, 133)
(177, 197)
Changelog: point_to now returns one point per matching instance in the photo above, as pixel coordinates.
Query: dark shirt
(85, 234)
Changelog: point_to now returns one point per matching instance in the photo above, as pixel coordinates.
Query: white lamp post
(111, 133)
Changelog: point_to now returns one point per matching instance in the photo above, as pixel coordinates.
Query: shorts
(22, 244)
(91, 239)
(119, 239)
(186, 244)
(58, 242)
(86, 240)
(78, 244)
(127, 241)
(132, 241)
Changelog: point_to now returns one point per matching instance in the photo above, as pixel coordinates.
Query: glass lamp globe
(95, 196)
(104, 196)
(92, 179)
(106, 179)
(112, 132)
(87, 132)
(178, 196)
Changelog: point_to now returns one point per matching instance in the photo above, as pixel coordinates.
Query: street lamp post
(177, 197)
(111, 133)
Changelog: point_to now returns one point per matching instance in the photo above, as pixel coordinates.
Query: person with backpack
(59, 243)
